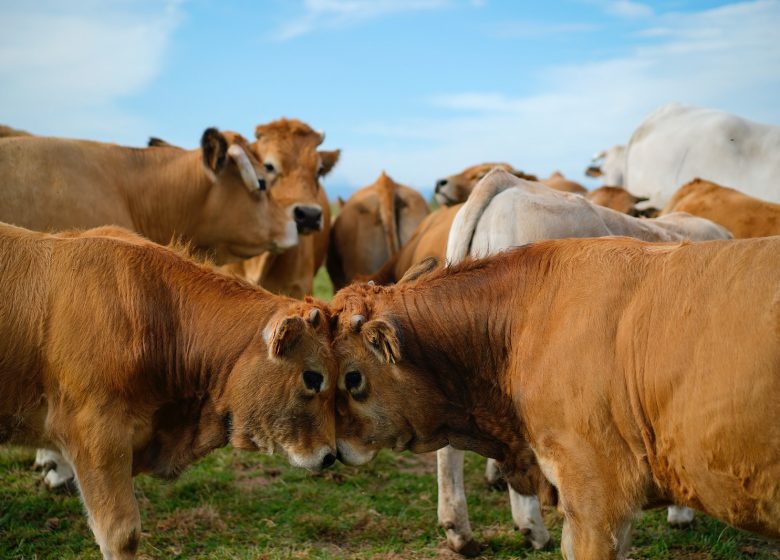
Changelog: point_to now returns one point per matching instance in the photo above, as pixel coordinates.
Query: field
(240, 505)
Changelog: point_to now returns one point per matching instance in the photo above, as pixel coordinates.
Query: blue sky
(420, 88)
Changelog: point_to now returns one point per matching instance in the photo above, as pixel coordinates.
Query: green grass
(238, 505)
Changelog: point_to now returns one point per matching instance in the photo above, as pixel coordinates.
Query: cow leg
(527, 516)
(589, 541)
(453, 510)
(57, 474)
(493, 475)
(679, 516)
(103, 467)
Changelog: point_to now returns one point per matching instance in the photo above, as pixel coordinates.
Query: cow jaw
(351, 455)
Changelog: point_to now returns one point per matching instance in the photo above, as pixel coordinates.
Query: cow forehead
(291, 149)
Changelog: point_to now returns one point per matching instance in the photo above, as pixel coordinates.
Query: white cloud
(538, 29)
(64, 67)
(726, 58)
(330, 14)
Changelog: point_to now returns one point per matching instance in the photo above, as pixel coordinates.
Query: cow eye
(352, 380)
(269, 167)
(313, 380)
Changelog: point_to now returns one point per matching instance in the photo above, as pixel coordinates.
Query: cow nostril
(329, 459)
(261, 184)
(299, 214)
(440, 183)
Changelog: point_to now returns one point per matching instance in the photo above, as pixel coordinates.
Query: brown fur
(8, 132)
(130, 358)
(428, 240)
(743, 215)
(608, 356)
(372, 227)
(616, 198)
(560, 183)
(290, 146)
(55, 184)
(455, 189)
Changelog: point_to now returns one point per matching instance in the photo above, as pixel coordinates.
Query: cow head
(281, 395)
(617, 198)
(238, 220)
(382, 401)
(455, 189)
(288, 151)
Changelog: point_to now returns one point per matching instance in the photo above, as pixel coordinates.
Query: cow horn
(356, 322)
(245, 167)
(314, 317)
(322, 136)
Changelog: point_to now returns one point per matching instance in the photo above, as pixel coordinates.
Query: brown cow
(618, 199)
(629, 373)
(131, 358)
(455, 189)
(557, 181)
(288, 150)
(214, 198)
(743, 215)
(371, 227)
(428, 240)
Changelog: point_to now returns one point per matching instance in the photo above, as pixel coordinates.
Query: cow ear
(340, 204)
(329, 160)
(423, 267)
(285, 335)
(215, 148)
(383, 340)
(527, 176)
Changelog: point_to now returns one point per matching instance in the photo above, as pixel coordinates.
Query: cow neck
(456, 331)
(165, 192)
(219, 318)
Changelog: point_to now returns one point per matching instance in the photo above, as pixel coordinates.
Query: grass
(238, 505)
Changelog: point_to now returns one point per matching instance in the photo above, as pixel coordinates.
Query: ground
(239, 505)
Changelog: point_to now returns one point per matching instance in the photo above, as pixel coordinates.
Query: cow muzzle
(308, 219)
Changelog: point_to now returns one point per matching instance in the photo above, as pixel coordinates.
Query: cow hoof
(59, 485)
(538, 539)
(468, 549)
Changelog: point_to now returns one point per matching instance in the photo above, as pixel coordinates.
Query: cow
(288, 150)
(627, 374)
(611, 165)
(455, 189)
(743, 215)
(503, 212)
(678, 143)
(131, 358)
(428, 240)
(213, 198)
(8, 132)
(557, 181)
(619, 199)
(371, 227)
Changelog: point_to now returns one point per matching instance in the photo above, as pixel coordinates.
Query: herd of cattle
(154, 305)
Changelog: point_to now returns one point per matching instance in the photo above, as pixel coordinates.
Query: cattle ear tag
(284, 336)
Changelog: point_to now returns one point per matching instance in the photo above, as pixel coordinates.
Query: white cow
(677, 143)
(502, 212)
(611, 165)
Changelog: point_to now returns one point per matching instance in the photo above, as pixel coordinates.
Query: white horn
(356, 322)
(322, 136)
(244, 167)
(314, 317)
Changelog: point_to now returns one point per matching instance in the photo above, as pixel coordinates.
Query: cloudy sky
(420, 88)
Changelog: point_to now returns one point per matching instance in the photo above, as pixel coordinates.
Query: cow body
(130, 358)
(557, 181)
(633, 373)
(677, 143)
(204, 197)
(505, 212)
(743, 215)
(616, 198)
(371, 227)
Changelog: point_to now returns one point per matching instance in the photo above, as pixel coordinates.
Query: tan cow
(557, 181)
(428, 240)
(8, 132)
(617, 198)
(455, 189)
(371, 227)
(288, 150)
(743, 215)
(131, 358)
(629, 374)
(214, 198)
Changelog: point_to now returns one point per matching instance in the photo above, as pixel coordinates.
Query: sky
(418, 88)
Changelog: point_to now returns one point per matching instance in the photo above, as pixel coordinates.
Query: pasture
(239, 505)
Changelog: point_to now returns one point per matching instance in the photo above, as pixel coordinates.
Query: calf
(627, 373)
(129, 358)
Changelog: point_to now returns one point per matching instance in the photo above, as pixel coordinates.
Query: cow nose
(307, 218)
(261, 184)
(440, 184)
(328, 461)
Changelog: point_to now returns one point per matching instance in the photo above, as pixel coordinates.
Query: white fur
(351, 456)
(453, 511)
(527, 516)
(57, 469)
(309, 461)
